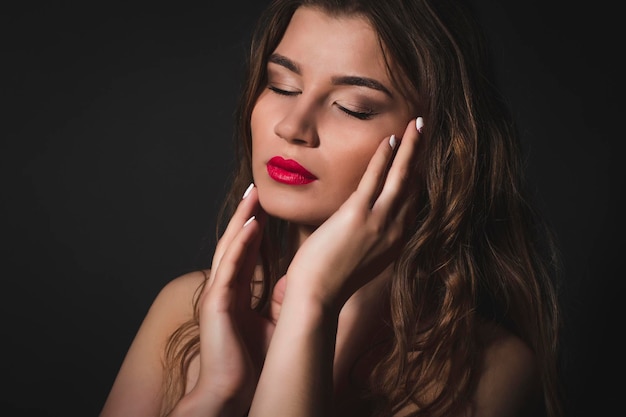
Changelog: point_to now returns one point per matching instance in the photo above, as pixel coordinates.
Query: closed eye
(367, 114)
(282, 92)
(361, 115)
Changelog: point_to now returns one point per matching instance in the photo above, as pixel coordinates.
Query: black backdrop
(115, 146)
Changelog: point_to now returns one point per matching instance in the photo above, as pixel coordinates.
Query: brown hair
(478, 250)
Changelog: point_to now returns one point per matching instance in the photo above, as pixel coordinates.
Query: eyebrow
(339, 80)
(285, 62)
(361, 82)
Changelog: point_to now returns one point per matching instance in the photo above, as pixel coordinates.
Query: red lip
(288, 171)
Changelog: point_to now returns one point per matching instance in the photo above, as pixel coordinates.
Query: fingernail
(245, 194)
(249, 221)
(392, 141)
(419, 123)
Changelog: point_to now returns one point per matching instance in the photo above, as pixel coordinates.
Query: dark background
(115, 148)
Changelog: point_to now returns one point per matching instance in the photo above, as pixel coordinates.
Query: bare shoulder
(173, 305)
(177, 295)
(509, 381)
(138, 382)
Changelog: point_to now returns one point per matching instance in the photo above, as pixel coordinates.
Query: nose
(298, 126)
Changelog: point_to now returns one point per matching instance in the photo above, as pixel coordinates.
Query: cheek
(265, 115)
(257, 118)
(260, 126)
(261, 112)
(351, 166)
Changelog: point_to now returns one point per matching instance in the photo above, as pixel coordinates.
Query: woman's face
(328, 104)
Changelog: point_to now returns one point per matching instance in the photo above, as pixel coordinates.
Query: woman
(384, 259)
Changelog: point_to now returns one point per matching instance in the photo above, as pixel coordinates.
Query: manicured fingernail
(245, 194)
(419, 124)
(392, 141)
(249, 221)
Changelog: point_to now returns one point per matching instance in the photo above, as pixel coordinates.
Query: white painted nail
(419, 123)
(245, 194)
(392, 141)
(249, 221)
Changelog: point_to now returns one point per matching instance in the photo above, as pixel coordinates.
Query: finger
(246, 208)
(236, 267)
(244, 211)
(375, 173)
(251, 259)
(401, 167)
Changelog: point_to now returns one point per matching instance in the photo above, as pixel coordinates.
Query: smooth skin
(348, 228)
(309, 113)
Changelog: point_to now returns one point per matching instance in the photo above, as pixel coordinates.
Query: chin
(291, 208)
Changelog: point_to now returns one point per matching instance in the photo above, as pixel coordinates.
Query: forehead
(342, 44)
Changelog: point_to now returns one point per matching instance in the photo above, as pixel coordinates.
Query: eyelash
(359, 115)
(283, 92)
(356, 114)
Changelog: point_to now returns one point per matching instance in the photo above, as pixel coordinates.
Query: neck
(298, 234)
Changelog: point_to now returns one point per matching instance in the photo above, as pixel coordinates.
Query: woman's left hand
(364, 235)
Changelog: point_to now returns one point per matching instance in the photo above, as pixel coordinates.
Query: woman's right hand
(232, 335)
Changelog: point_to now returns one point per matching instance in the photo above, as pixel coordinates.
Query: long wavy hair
(478, 250)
